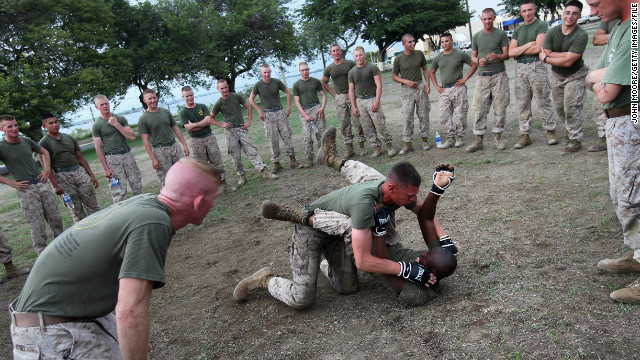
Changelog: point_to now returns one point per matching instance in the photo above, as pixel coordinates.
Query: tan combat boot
(276, 167)
(449, 143)
(307, 164)
(259, 280)
(267, 175)
(293, 162)
(327, 154)
(477, 145)
(552, 138)
(350, 152)
(243, 180)
(573, 146)
(391, 151)
(226, 187)
(407, 148)
(629, 295)
(273, 211)
(459, 141)
(496, 141)
(601, 145)
(425, 144)
(363, 151)
(13, 271)
(524, 141)
(620, 265)
(377, 151)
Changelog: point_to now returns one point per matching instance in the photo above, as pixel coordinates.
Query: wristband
(545, 59)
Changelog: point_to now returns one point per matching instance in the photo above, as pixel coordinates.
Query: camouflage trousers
(5, 249)
(77, 184)
(623, 147)
(307, 131)
(206, 149)
(373, 123)
(600, 117)
(454, 102)
(414, 100)
(490, 90)
(343, 109)
(125, 169)
(532, 81)
(167, 156)
(568, 94)
(39, 205)
(277, 124)
(71, 340)
(238, 139)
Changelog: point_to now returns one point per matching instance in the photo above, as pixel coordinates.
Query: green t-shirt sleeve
(241, 100)
(281, 86)
(183, 116)
(504, 39)
(216, 108)
(396, 66)
(423, 60)
(374, 70)
(434, 62)
(579, 44)
(542, 27)
(350, 75)
(319, 87)
(172, 121)
(96, 131)
(466, 57)
(75, 143)
(602, 61)
(145, 253)
(327, 71)
(35, 147)
(296, 89)
(362, 215)
(45, 143)
(548, 44)
(618, 71)
(142, 125)
(254, 90)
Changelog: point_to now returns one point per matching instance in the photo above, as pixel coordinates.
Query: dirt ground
(530, 225)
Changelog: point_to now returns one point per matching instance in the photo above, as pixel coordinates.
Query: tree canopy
(546, 7)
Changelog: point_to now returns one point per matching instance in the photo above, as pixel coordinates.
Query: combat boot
(276, 167)
(327, 153)
(363, 152)
(620, 265)
(552, 138)
(391, 151)
(524, 141)
(13, 271)
(267, 175)
(243, 180)
(377, 151)
(629, 295)
(227, 187)
(307, 164)
(273, 211)
(425, 144)
(498, 144)
(407, 148)
(573, 146)
(259, 280)
(601, 145)
(459, 141)
(449, 143)
(293, 162)
(477, 145)
(350, 152)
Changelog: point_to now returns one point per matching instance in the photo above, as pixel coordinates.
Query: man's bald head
(440, 261)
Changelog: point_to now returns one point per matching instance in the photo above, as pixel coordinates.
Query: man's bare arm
(600, 38)
(325, 85)
(132, 317)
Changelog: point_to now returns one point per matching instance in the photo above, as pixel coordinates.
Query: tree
(53, 57)
(547, 7)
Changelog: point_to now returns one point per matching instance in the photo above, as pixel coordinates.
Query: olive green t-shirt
(409, 67)
(340, 74)
(617, 59)
(575, 42)
(450, 65)
(112, 139)
(158, 125)
(357, 201)
(194, 115)
(62, 152)
(486, 44)
(78, 274)
(527, 33)
(608, 26)
(18, 159)
(269, 93)
(231, 109)
(307, 90)
(363, 79)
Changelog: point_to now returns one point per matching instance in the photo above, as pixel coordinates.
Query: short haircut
(203, 167)
(525, 2)
(575, 3)
(148, 91)
(405, 37)
(302, 63)
(100, 97)
(334, 45)
(186, 88)
(446, 35)
(404, 174)
(47, 115)
(441, 261)
(6, 117)
(220, 81)
(489, 10)
(358, 48)
(265, 65)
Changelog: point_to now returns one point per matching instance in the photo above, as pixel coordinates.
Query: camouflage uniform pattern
(39, 205)
(166, 156)
(532, 81)
(454, 102)
(5, 249)
(125, 169)
(343, 109)
(77, 184)
(374, 123)
(276, 123)
(206, 149)
(568, 97)
(414, 100)
(85, 340)
(307, 131)
(600, 118)
(238, 139)
(623, 147)
(491, 90)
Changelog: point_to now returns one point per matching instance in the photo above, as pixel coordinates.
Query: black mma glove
(439, 169)
(414, 272)
(381, 217)
(448, 244)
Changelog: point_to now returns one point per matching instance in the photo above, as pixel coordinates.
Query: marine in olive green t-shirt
(486, 44)
(574, 42)
(17, 157)
(617, 59)
(194, 115)
(158, 125)
(409, 67)
(450, 65)
(112, 139)
(339, 74)
(269, 93)
(63, 151)
(363, 79)
(231, 109)
(307, 91)
(525, 34)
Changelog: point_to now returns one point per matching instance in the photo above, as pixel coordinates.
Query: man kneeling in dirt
(109, 261)
(359, 203)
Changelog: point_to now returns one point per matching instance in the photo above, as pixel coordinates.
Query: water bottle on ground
(67, 200)
(115, 185)
(314, 127)
(438, 142)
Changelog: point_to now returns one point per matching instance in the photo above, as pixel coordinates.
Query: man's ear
(197, 202)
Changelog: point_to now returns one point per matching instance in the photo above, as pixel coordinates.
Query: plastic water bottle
(438, 142)
(314, 127)
(67, 200)
(115, 185)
